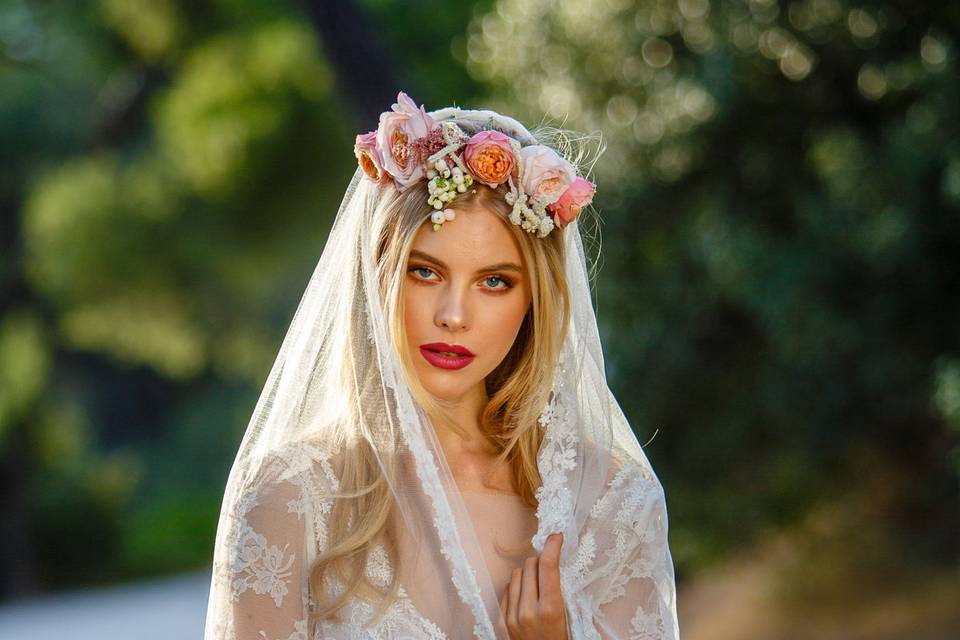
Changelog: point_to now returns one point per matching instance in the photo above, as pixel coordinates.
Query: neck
(465, 412)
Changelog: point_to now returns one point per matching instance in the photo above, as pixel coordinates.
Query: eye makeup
(507, 282)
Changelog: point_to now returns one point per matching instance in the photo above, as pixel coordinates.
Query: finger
(553, 545)
(549, 570)
(504, 599)
(530, 594)
(513, 601)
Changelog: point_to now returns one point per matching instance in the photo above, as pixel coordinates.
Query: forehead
(474, 238)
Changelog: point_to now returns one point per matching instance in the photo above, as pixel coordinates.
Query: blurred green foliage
(778, 285)
(169, 173)
(780, 245)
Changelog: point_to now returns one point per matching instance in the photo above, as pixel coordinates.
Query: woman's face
(465, 287)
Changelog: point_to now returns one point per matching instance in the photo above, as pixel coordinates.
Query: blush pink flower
(489, 157)
(546, 174)
(368, 157)
(574, 199)
(396, 134)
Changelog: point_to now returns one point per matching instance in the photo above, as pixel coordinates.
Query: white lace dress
(281, 525)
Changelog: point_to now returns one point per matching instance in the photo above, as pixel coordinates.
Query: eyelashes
(415, 269)
(507, 283)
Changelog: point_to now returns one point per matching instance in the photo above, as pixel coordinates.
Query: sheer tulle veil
(337, 386)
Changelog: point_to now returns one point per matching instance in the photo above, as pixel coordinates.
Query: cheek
(412, 309)
(504, 323)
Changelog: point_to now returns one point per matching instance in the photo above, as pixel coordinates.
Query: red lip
(431, 353)
(443, 346)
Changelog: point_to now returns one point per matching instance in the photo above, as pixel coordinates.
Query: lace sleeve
(269, 571)
(634, 593)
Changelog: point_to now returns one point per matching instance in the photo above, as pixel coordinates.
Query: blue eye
(506, 282)
(422, 269)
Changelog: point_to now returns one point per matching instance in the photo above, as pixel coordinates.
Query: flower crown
(409, 145)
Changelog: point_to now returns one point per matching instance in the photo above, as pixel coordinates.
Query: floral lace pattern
(556, 457)
(621, 553)
(260, 566)
(299, 632)
(269, 564)
(402, 620)
(463, 575)
(646, 626)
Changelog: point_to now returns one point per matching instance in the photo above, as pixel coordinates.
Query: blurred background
(778, 288)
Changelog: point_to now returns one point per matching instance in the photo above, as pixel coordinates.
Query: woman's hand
(532, 604)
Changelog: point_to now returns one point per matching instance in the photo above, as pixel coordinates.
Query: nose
(452, 312)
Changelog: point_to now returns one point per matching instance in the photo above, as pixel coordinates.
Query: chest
(504, 526)
(480, 473)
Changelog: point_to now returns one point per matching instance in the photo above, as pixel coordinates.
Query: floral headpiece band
(409, 145)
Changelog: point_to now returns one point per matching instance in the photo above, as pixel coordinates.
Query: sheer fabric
(451, 550)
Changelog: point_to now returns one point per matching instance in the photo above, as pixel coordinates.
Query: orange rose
(489, 157)
(368, 157)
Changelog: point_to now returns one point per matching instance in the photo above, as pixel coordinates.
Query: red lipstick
(455, 356)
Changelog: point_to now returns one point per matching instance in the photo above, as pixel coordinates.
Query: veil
(337, 390)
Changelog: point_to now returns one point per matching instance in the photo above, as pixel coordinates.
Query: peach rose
(576, 197)
(546, 174)
(395, 137)
(368, 157)
(489, 156)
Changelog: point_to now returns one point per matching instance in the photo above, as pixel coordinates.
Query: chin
(446, 385)
(447, 390)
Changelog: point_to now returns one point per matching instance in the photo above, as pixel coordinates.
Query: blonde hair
(517, 389)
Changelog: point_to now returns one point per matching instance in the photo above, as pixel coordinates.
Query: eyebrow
(500, 266)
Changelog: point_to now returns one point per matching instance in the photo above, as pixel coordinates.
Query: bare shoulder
(323, 462)
(628, 478)
(618, 466)
(304, 464)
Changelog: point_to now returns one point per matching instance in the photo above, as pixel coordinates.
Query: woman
(436, 452)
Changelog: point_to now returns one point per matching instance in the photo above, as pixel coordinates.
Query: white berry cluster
(532, 217)
(439, 217)
(445, 183)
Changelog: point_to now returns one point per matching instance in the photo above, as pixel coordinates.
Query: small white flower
(437, 217)
(546, 226)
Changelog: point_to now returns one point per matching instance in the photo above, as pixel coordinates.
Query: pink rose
(576, 197)
(489, 156)
(545, 173)
(395, 137)
(368, 157)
